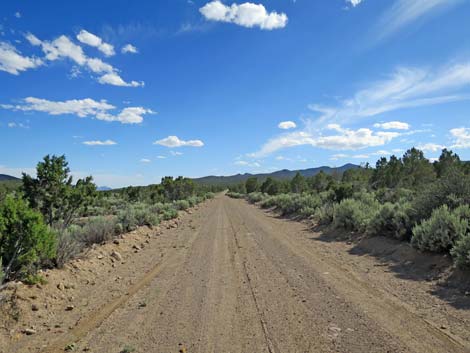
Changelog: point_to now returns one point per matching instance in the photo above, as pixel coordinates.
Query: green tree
(321, 181)
(417, 171)
(53, 193)
(25, 241)
(298, 184)
(447, 160)
(251, 185)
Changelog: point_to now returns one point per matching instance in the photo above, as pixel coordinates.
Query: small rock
(99, 257)
(116, 241)
(34, 307)
(116, 256)
(29, 331)
(69, 308)
(444, 327)
(61, 286)
(136, 247)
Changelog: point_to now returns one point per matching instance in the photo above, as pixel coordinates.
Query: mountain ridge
(279, 174)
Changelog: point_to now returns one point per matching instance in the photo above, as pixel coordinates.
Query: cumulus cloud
(286, 125)
(114, 79)
(461, 137)
(246, 15)
(145, 160)
(63, 48)
(393, 125)
(13, 62)
(129, 48)
(93, 40)
(174, 141)
(100, 143)
(341, 139)
(354, 3)
(82, 108)
(430, 147)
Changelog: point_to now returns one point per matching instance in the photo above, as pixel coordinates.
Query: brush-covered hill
(280, 174)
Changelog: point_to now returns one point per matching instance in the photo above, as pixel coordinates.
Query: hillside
(4, 177)
(280, 174)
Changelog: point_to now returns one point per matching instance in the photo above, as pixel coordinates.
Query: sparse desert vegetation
(407, 198)
(49, 219)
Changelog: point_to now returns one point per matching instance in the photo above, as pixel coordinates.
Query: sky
(134, 91)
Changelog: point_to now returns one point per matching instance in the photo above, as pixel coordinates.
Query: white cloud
(361, 156)
(461, 137)
(93, 40)
(354, 3)
(393, 125)
(246, 15)
(248, 164)
(145, 160)
(18, 14)
(337, 156)
(63, 48)
(13, 62)
(115, 80)
(431, 147)
(82, 108)
(17, 125)
(405, 88)
(161, 157)
(100, 143)
(343, 139)
(286, 125)
(129, 48)
(174, 141)
(405, 12)
(176, 153)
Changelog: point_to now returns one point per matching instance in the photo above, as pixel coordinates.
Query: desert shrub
(452, 190)
(393, 220)
(68, 245)
(169, 213)
(440, 232)
(324, 214)
(290, 204)
(97, 230)
(355, 214)
(307, 212)
(461, 251)
(181, 205)
(127, 218)
(209, 195)
(144, 215)
(256, 197)
(235, 195)
(25, 241)
(269, 202)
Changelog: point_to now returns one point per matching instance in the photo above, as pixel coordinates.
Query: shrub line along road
(240, 280)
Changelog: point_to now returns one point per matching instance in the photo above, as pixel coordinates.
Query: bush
(25, 241)
(393, 220)
(440, 232)
(235, 195)
(68, 245)
(181, 205)
(355, 215)
(324, 214)
(461, 251)
(255, 197)
(97, 230)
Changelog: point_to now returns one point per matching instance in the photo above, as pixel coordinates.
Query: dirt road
(235, 279)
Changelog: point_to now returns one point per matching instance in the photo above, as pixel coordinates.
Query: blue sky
(133, 91)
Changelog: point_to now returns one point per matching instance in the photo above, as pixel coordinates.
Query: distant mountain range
(4, 177)
(281, 174)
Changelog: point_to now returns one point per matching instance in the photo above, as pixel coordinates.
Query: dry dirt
(232, 278)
